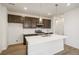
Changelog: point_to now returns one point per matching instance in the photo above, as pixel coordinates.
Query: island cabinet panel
(46, 23)
(15, 19)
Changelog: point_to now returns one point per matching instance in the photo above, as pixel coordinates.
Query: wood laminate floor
(18, 49)
(21, 50)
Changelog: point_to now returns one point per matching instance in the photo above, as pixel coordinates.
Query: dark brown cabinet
(15, 19)
(46, 23)
(35, 21)
(28, 22)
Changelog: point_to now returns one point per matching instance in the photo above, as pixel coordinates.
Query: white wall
(3, 28)
(71, 27)
(16, 31)
(58, 24)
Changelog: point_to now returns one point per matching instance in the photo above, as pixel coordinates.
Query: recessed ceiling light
(68, 4)
(49, 13)
(25, 8)
(57, 21)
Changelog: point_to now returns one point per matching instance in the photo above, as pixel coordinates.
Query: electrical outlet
(16, 40)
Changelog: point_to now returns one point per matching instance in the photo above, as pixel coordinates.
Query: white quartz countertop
(41, 38)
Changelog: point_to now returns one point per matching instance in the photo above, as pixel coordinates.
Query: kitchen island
(45, 44)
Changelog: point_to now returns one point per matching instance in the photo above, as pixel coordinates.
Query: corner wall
(71, 28)
(3, 28)
(58, 24)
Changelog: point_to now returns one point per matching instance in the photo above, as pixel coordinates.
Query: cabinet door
(35, 21)
(27, 22)
(47, 23)
(30, 22)
(14, 19)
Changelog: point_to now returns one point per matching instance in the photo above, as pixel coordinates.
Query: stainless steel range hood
(40, 24)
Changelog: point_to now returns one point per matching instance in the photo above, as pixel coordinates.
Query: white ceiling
(40, 8)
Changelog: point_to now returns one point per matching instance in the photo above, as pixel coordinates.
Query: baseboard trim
(71, 46)
(15, 44)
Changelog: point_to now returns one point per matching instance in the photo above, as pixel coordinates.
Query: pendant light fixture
(56, 11)
(55, 18)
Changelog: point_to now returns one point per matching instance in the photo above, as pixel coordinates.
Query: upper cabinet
(29, 22)
(46, 23)
(35, 21)
(14, 19)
